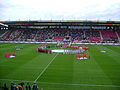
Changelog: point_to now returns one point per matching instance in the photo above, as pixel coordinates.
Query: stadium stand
(48, 31)
(93, 36)
(118, 34)
(58, 35)
(109, 36)
(76, 35)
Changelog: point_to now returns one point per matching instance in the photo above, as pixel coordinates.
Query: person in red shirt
(20, 87)
(88, 56)
(14, 53)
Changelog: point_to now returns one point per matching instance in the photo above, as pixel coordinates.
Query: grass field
(61, 72)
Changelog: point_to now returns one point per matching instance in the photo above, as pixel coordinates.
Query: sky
(103, 10)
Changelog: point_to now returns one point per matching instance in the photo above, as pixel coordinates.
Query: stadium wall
(62, 43)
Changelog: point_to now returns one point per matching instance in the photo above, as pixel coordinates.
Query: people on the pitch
(5, 87)
(20, 86)
(35, 87)
(28, 87)
(12, 86)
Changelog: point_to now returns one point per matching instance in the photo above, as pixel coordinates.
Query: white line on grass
(80, 84)
(45, 68)
(64, 83)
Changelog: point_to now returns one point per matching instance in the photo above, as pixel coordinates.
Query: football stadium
(60, 55)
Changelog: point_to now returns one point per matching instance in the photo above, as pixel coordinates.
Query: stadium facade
(52, 31)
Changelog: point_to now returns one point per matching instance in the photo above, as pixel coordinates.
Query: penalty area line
(45, 68)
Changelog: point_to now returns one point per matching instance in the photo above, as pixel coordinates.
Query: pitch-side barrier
(62, 43)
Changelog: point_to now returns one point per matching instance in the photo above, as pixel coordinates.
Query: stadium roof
(60, 21)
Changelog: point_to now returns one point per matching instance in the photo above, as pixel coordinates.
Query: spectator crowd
(42, 35)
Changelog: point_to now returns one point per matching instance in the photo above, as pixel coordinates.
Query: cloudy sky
(60, 10)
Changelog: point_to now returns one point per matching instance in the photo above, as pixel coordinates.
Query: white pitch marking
(45, 68)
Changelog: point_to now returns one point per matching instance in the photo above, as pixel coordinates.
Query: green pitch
(61, 72)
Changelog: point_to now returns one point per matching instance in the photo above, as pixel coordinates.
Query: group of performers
(82, 56)
(78, 50)
(10, 54)
(42, 48)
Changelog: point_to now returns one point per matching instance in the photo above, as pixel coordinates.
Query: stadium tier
(40, 31)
